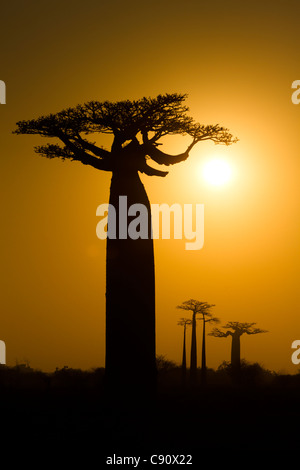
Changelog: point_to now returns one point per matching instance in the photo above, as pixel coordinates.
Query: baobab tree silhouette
(206, 318)
(238, 329)
(184, 322)
(136, 128)
(197, 308)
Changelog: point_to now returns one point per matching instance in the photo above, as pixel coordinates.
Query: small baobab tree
(196, 307)
(206, 317)
(184, 322)
(236, 329)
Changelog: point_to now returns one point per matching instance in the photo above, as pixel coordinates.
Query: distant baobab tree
(236, 330)
(184, 322)
(136, 128)
(206, 318)
(196, 307)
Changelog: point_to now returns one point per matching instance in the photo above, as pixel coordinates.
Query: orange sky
(237, 62)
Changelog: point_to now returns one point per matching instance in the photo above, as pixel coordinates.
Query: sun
(217, 172)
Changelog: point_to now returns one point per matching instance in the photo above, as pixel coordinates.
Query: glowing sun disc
(217, 172)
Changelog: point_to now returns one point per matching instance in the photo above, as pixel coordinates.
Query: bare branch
(55, 151)
(212, 319)
(184, 322)
(163, 158)
(219, 334)
(242, 328)
(255, 331)
(82, 156)
(215, 133)
(148, 170)
(196, 306)
(98, 151)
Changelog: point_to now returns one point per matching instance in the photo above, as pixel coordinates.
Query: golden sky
(237, 61)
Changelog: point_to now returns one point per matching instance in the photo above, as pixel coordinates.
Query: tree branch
(163, 158)
(219, 334)
(255, 331)
(148, 170)
(55, 151)
(98, 151)
(81, 155)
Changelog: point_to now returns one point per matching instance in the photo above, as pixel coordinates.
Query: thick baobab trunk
(193, 365)
(235, 350)
(130, 296)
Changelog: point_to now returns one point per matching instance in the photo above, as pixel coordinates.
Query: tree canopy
(136, 127)
(184, 322)
(237, 328)
(196, 307)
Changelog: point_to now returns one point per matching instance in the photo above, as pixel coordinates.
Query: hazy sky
(236, 61)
